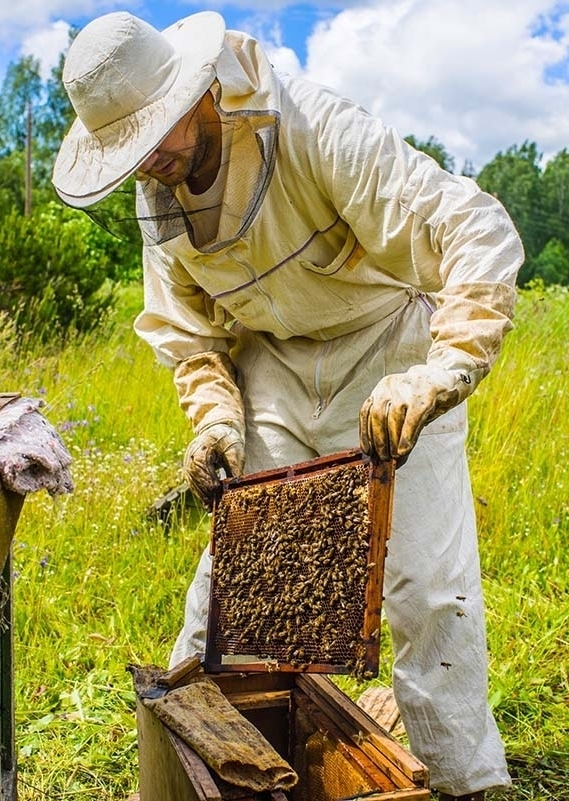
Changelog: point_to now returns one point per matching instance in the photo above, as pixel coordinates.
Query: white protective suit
(343, 255)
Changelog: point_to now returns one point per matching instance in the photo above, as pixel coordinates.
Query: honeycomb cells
(290, 569)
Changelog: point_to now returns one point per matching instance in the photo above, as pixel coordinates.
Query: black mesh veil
(115, 213)
(160, 213)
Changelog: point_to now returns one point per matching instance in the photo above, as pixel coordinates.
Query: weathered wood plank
(380, 704)
(10, 507)
(364, 766)
(260, 700)
(168, 772)
(374, 740)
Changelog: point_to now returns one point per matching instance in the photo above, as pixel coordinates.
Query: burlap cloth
(32, 454)
(226, 741)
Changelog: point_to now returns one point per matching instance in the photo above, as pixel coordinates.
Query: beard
(172, 169)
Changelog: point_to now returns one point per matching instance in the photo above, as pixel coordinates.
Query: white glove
(402, 404)
(218, 447)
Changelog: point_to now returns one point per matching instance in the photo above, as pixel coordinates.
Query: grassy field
(98, 584)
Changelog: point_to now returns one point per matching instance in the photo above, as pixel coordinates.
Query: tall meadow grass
(519, 455)
(99, 584)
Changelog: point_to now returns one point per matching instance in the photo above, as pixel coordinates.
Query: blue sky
(478, 75)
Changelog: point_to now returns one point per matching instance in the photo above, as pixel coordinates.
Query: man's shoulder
(317, 100)
(298, 86)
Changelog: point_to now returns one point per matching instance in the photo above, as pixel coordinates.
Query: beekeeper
(313, 282)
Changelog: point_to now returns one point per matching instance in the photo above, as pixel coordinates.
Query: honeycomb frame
(297, 567)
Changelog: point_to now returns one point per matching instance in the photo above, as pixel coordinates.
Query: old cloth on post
(32, 454)
(226, 741)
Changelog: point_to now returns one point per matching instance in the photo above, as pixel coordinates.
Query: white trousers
(302, 399)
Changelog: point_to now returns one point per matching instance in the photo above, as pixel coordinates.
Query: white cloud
(37, 27)
(47, 44)
(284, 59)
(29, 15)
(472, 74)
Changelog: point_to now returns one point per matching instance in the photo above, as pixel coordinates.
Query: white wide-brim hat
(129, 85)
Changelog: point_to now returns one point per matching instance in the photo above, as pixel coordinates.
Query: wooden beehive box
(336, 749)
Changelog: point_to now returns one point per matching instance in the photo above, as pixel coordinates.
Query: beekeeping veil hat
(129, 85)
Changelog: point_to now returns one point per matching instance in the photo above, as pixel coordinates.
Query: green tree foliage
(119, 231)
(53, 119)
(468, 169)
(538, 202)
(54, 272)
(57, 268)
(552, 264)
(56, 113)
(435, 149)
(552, 216)
(46, 108)
(514, 177)
(21, 93)
(12, 184)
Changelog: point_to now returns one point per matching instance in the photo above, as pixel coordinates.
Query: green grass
(519, 462)
(100, 585)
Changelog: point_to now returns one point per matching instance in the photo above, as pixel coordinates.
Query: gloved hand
(402, 404)
(209, 395)
(467, 330)
(219, 446)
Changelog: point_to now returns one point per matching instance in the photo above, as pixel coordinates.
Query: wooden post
(28, 187)
(10, 507)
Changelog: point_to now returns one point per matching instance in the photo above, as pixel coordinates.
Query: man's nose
(149, 161)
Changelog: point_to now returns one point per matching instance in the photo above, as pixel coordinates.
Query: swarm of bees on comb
(291, 563)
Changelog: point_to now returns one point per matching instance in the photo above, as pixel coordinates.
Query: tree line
(59, 272)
